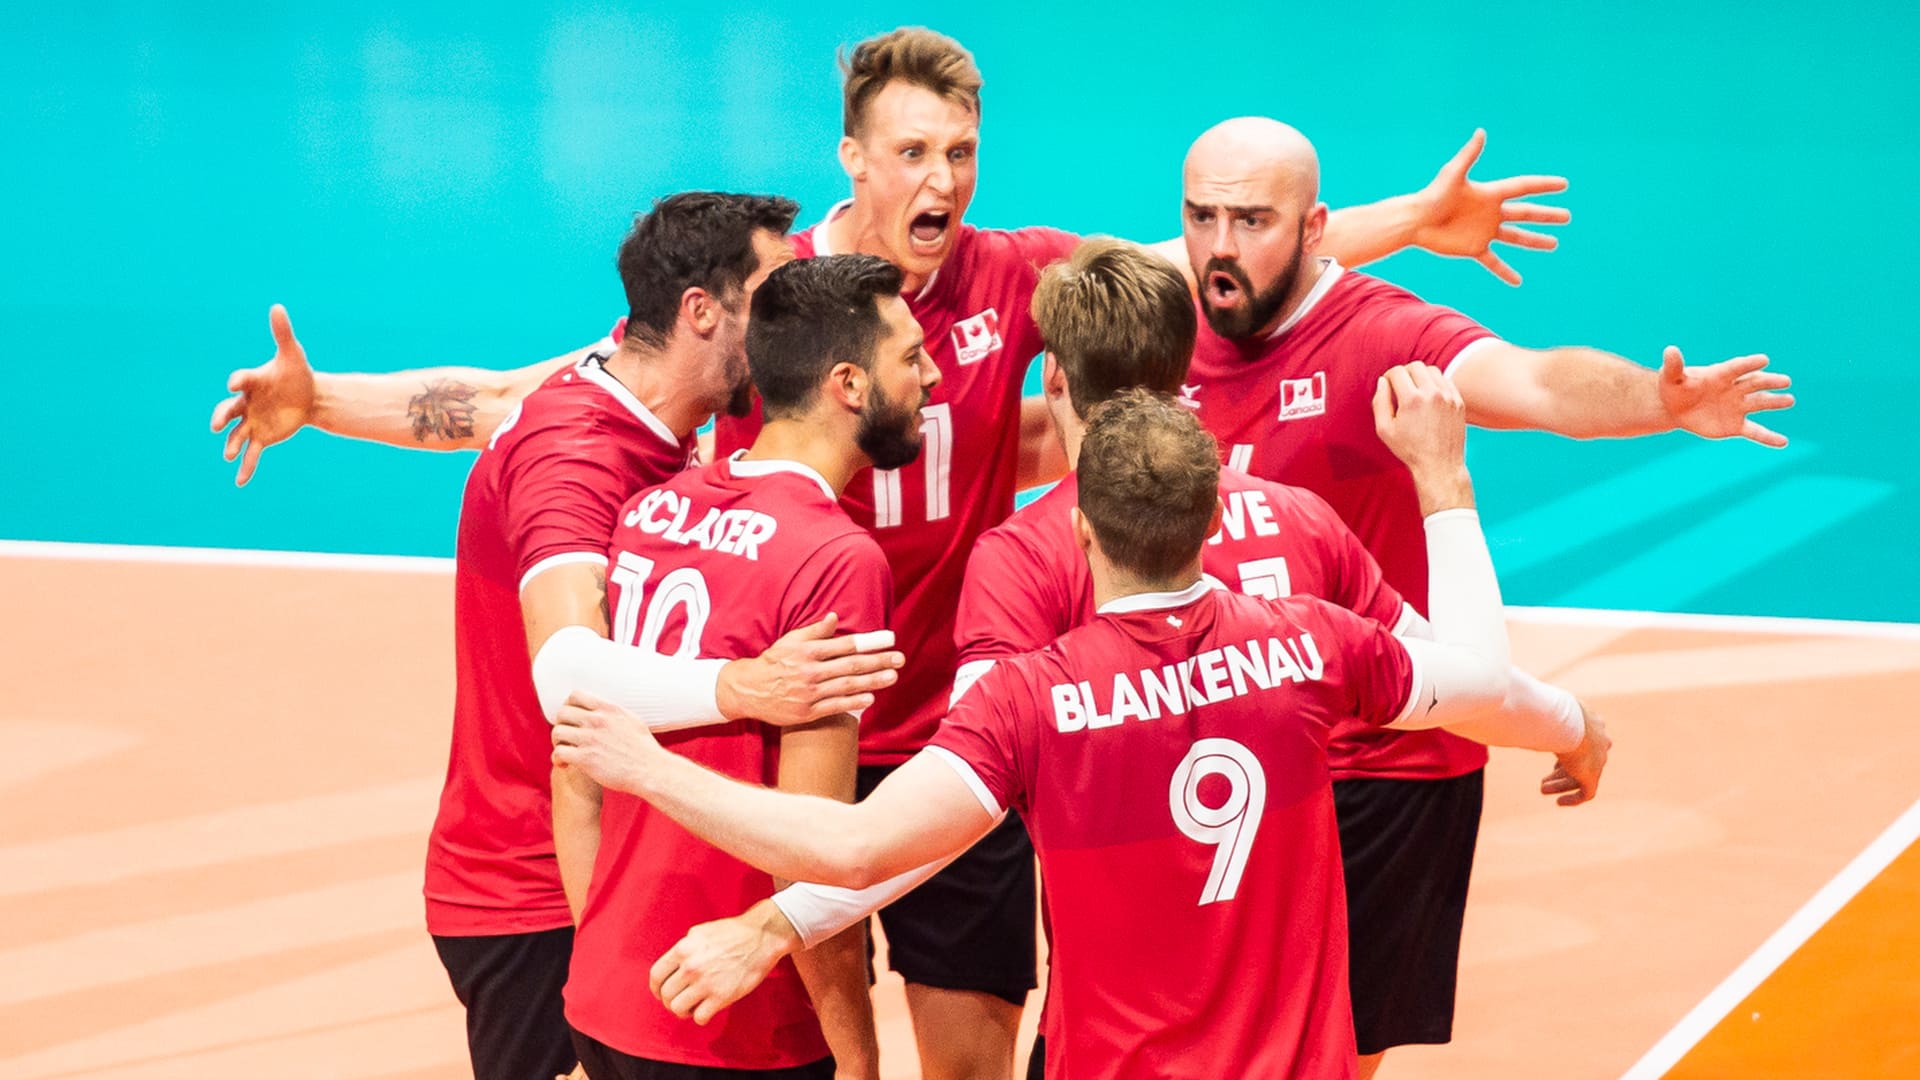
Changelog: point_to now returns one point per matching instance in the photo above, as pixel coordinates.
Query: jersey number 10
(683, 588)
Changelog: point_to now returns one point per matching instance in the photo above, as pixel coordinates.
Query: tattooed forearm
(606, 615)
(444, 411)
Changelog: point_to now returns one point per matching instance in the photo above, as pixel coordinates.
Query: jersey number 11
(936, 456)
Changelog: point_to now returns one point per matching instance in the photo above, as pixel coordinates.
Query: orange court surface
(218, 771)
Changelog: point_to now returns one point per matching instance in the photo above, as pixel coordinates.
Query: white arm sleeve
(1463, 595)
(1455, 685)
(665, 692)
(1456, 690)
(818, 912)
(1528, 700)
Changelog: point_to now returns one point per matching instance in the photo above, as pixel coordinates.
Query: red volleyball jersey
(545, 491)
(1169, 760)
(1296, 406)
(927, 515)
(1028, 583)
(719, 561)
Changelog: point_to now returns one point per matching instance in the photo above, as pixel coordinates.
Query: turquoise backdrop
(447, 183)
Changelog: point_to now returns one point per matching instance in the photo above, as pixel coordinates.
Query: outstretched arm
(1452, 215)
(1589, 394)
(920, 813)
(440, 408)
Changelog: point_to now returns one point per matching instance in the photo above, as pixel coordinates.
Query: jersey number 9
(1230, 826)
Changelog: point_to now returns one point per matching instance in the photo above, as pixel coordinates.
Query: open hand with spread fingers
(1465, 218)
(271, 402)
(1718, 401)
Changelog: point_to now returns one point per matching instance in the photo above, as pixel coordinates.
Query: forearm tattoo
(444, 411)
(606, 615)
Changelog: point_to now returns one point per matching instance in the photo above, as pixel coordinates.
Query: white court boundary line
(1607, 618)
(192, 556)
(423, 564)
(1785, 941)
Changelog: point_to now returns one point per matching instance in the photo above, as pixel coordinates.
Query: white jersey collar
(1329, 273)
(1158, 601)
(769, 466)
(823, 243)
(594, 369)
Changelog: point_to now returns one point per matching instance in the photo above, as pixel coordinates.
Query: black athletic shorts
(603, 1062)
(1408, 850)
(1037, 1061)
(510, 984)
(969, 927)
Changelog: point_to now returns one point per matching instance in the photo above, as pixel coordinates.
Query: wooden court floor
(217, 773)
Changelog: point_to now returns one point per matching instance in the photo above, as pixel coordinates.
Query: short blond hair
(1115, 316)
(912, 54)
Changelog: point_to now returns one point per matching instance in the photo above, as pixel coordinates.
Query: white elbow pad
(665, 692)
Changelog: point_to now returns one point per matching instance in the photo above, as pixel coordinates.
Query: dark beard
(1260, 308)
(741, 403)
(889, 432)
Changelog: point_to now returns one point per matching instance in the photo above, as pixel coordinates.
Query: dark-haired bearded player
(911, 112)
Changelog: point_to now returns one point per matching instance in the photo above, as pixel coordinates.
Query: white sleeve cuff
(972, 779)
(1470, 349)
(561, 559)
(964, 679)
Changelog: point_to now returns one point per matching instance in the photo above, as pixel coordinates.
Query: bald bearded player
(1290, 350)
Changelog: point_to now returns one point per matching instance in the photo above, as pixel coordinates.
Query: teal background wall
(447, 183)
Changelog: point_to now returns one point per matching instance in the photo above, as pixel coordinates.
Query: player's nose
(940, 176)
(1221, 243)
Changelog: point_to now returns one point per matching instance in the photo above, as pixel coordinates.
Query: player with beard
(1282, 375)
(724, 560)
(1169, 756)
(911, 110)
(530, 568)
(1116, 318)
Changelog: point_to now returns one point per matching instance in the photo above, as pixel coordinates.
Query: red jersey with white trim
(1169, 760)
(545, 491)
(719, 561)
(1296, 406)
(1028, 583)
(927, 515)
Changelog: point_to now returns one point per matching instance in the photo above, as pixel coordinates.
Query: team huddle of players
(1238, 713)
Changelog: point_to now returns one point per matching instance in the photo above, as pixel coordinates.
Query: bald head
(1252, 160)
(1252, 219)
